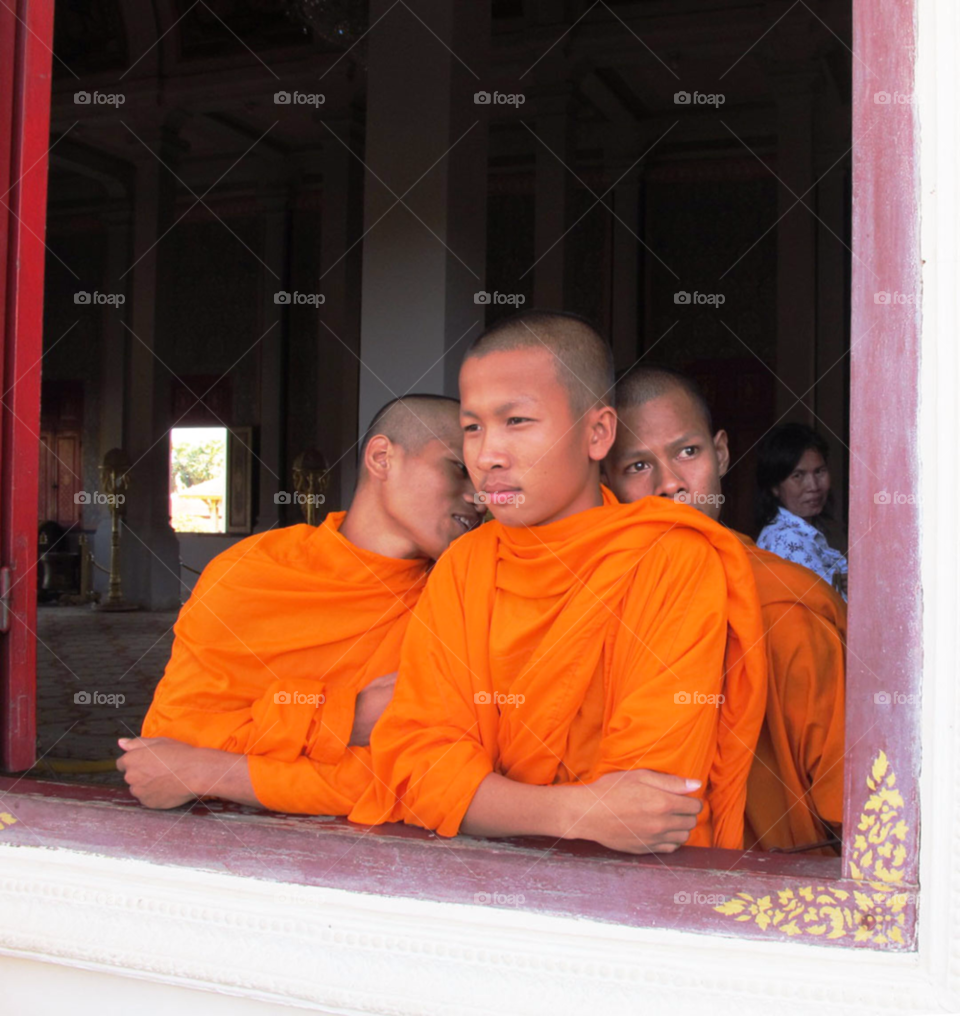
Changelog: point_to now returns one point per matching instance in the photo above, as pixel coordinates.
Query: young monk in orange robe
(286, 653)
(565, 673)
(666, 446)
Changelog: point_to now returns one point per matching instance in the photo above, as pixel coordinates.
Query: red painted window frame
(578, 879)
(26, 40)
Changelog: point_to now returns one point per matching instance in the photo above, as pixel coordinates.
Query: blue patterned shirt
(795, 539)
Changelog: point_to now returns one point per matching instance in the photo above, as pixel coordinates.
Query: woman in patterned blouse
(793, 483)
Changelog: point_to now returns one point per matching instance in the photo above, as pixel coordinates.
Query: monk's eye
(636, 467)
(517, 419)
(471, 428)
(462, 468)
(690, 451)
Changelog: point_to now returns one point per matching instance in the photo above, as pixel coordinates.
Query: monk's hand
(157, 770)
(639, 812)
(371, 703)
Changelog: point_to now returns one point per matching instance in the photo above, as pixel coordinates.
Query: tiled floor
(95, 679)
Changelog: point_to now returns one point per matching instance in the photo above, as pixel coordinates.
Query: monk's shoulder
(776, 575)
(253, 553)
(464, 549)
(683, 545)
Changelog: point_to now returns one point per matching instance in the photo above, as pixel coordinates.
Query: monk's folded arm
(209, 772)
(637, 812)
(216, 694)
(300, 787)
(504, 807)
(667, 672)
(307, 787)
(429, 753)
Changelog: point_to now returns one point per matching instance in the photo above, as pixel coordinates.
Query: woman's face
(804, 492)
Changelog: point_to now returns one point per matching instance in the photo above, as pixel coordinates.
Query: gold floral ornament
(877, 912)
(6, 819)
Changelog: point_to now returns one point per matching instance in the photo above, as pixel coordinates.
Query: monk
(567, 672)
(286, 652)
(666, 446)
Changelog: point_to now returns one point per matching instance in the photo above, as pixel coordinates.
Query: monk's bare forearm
(638, 811)
(504, 807)
(223, 774)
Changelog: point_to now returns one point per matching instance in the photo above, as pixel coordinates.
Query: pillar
(423, 263)
(151, 550)
(796, 247)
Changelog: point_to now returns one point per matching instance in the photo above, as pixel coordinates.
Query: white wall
(30, 988)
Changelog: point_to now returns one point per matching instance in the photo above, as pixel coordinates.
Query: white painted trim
(353, 953)
(937, 87)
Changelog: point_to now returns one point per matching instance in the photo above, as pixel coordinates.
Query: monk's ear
(603, 431)
(378, 456)
(722, 447)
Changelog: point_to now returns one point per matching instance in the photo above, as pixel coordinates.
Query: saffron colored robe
(563, 652)
(280, 634)
(795, 790)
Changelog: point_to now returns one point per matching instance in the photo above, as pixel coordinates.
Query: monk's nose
(670, 484)
(489, 458)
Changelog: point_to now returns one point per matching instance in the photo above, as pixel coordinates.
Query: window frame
(884, 741)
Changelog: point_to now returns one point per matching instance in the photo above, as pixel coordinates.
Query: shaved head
(582, 357)
(640, 384)
(413, 494)
(412, 421)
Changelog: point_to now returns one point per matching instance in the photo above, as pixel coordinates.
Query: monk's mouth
(467, 522)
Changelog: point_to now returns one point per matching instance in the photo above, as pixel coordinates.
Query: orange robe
(563, 652)
(796, 783)
(281, 633)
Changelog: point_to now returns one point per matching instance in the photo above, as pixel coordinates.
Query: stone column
(833, 341)
(422, 264)
(114, 335)
(270, 464)
(625, 270)
(338, 335)
(554, 126)
(151, 550)
(796, 246)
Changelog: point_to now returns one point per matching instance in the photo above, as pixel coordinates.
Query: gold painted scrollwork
(874, 913)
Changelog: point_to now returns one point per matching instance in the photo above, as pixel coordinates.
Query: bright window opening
(198, 479)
